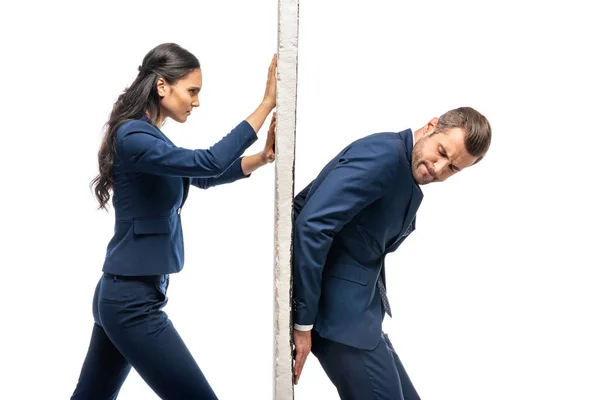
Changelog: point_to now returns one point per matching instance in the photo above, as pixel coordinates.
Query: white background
(495, 295)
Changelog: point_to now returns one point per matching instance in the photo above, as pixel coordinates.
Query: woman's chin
(181, 119)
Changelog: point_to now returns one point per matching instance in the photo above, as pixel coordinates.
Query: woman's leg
(131, 313)
(104, 369)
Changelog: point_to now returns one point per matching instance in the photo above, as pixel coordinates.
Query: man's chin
(422, 180)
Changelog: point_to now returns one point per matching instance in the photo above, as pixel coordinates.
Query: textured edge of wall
(285, 148)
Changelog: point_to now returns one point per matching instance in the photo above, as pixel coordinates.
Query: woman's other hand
(269, 150)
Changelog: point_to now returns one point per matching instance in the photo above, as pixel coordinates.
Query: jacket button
(179, 211)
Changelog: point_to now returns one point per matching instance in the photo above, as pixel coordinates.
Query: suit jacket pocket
(151, 226)
(349, 272)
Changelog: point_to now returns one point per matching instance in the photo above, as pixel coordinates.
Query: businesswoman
(149, 177)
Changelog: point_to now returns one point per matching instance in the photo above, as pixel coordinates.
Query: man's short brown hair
(478, 132)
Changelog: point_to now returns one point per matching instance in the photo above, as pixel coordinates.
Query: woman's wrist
(253, 162)
(258, 117)
(264, 160)
(268, 104)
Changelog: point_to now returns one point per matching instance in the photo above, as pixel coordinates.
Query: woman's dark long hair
(168, 61)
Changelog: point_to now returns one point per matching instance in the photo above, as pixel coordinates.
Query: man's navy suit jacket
(360, 207)
(151, 178)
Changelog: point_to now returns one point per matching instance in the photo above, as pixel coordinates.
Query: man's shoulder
(384, 145)
(387, 139)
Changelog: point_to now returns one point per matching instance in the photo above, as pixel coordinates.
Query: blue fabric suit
(151, 178)
(361, 207)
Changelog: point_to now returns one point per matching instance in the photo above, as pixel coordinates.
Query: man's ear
(431, 125)
(161, 87)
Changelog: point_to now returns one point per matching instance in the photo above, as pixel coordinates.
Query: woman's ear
(161, 87)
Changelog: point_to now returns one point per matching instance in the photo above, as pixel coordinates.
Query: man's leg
(359, 374)
(408, 389)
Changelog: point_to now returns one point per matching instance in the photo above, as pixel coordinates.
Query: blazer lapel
(411, 217)
(416, 195)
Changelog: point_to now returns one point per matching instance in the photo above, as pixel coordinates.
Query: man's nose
(440, 166)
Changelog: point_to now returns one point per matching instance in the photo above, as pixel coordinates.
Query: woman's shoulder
(136, 126)
(131, 128)
(139, 132)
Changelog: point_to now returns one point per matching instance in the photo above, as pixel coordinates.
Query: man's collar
(408, 138)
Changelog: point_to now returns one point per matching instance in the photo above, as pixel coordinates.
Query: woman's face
(178, 100)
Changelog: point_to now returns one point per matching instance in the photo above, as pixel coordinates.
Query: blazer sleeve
(142, 151)
(232, 174)
(300, 200)
(361, 176)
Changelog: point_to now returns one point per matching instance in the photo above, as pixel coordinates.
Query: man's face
(439, 155)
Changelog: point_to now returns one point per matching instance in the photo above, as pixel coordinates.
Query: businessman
(361, 207)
